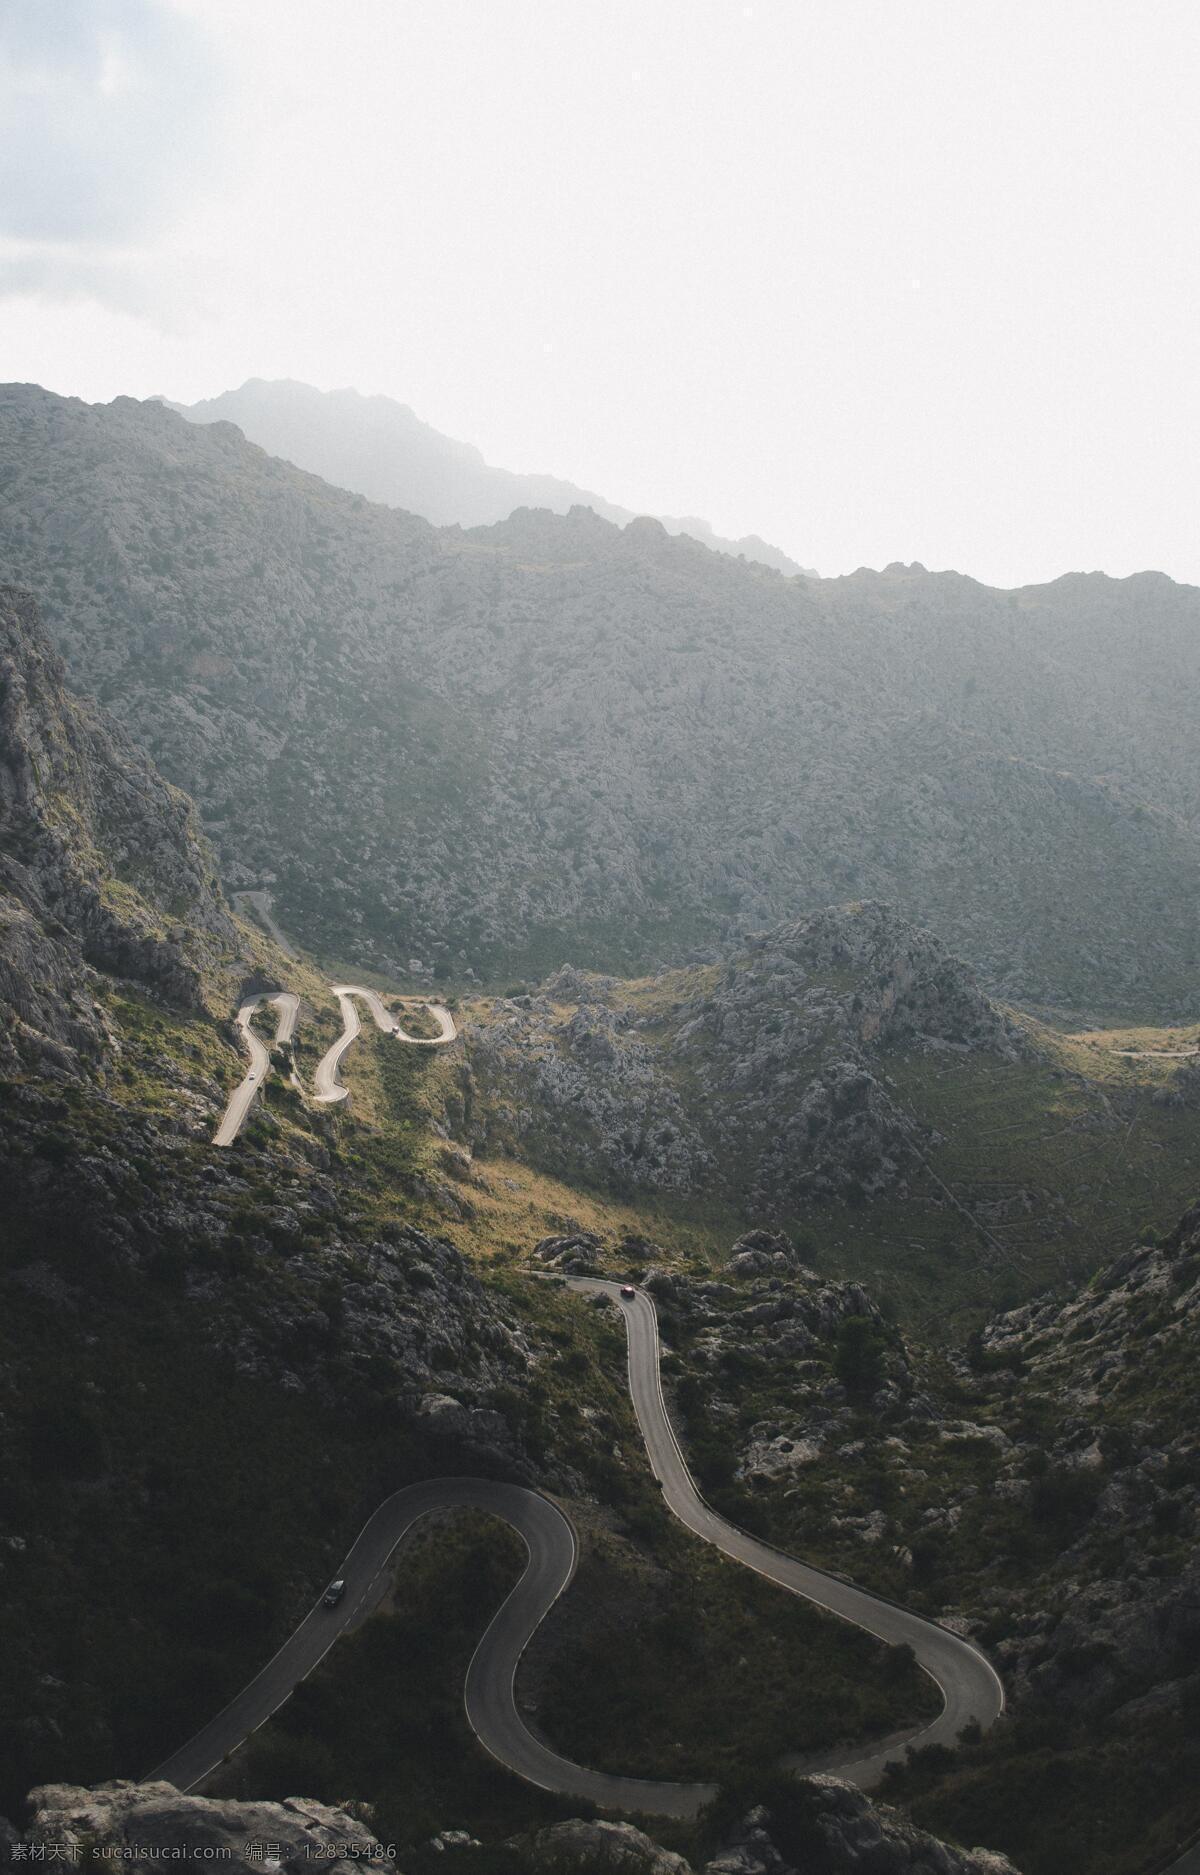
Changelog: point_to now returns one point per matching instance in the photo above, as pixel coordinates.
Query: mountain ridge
(378, 447)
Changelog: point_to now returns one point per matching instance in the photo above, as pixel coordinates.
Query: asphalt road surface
(1188, 1863)
(969, 1685)
(550, 1541)
(235, 1113)
(328, 1084)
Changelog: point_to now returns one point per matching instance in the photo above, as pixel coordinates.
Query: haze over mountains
(381, 449)
(554, 739)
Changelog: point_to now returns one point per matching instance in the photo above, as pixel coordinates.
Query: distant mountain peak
(380, 448)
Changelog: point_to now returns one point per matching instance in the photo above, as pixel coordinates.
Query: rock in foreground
(830, 1826)
(820, 1824)
(119, 1819)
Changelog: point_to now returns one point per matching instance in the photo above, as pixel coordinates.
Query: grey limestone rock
(618, 1847)
(120, 1816)
(835, 1827)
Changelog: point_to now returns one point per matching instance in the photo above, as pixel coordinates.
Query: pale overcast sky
(877, 279)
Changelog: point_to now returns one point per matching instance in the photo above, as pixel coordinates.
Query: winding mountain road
(969, 1685)
(288, 1005)
(329, 1087)
(328, 1084)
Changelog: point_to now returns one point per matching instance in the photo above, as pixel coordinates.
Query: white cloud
(105, 117)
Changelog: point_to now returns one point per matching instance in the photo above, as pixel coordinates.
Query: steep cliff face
(558, 738)
(102, 865)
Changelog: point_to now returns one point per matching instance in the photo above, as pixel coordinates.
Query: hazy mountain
(381, 449)
(558, 740)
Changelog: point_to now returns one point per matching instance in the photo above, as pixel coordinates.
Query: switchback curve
(329, 1086)
(970, 1686)
(288, 1005)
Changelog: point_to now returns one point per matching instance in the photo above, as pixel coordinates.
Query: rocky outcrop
(598, 1846)
(767, 1078)
(906, 985)
(102, 866)
(583, 1090)
(831, 1826)
(784, 1052)
(766, 1253)
(155, 1823)
(575, 1255)
(823, 1823)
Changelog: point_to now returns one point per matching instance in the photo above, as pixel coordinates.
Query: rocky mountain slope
(1119, 1362)
(1040, 1490)
(555, 739)
(211, 1368)
(102, 865)
(1077, 1544)
(760, 1078)
(846, 1077)
(381, 449)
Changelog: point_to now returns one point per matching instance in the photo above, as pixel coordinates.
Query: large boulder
(830, 1825)
(763, 1253)
(574, 1255)
(167, 1825)
(595, 1846)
